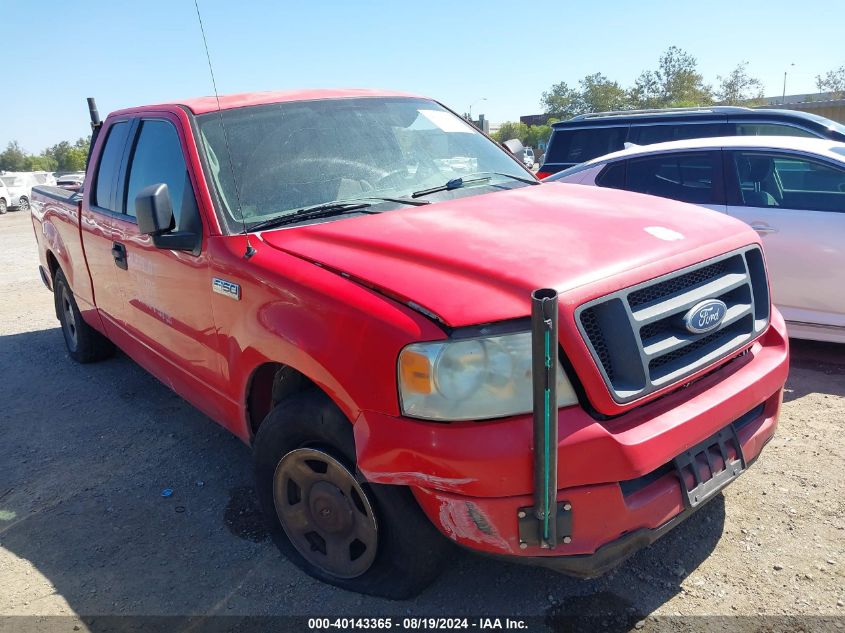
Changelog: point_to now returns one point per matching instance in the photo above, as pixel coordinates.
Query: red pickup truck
(344, 280)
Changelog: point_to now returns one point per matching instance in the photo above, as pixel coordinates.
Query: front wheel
(3, 207)
(84, 343)
(326, 518)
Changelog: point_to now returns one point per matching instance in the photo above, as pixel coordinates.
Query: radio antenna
(250, 251)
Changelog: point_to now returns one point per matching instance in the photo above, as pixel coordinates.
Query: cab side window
(612, 176)
(157, 158)
(771, 129)
(689, 177)
(650, 134)
(789, 181)
(109, 166)
(577, 146)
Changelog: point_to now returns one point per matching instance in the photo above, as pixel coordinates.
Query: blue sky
(132, 53)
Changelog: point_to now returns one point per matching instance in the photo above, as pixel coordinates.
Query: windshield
(11, 181)
(293, 155)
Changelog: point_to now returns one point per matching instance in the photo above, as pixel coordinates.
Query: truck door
(101, 211)
(166, 309)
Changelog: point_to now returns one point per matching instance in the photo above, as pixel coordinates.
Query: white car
(17, 190)
(528, 157)
(791, 190)
(20, 186)
(72, 181)
(5, 198)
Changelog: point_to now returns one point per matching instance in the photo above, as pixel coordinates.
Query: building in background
(481, 122)
(534, 119)
(826, 104)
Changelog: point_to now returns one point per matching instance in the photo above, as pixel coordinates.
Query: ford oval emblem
(705, 316)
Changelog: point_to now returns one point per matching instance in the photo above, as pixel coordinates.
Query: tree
(537, 135)
(63, 157)
(528, 135)
(739, 87)
(69, 157)
(599, 94)
(676, 82)
(833, 81)
(511, 129)
(561, 101)
(40, 163)
(13, 158)
(646, 92)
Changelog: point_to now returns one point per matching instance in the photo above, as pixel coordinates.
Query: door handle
(763, 229)
(118, 251)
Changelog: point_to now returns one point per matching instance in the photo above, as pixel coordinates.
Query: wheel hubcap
(325, 512)
(69, 320)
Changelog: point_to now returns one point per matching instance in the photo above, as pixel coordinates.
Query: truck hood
(477, 259)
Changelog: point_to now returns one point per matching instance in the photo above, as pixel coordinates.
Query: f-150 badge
(226, 288)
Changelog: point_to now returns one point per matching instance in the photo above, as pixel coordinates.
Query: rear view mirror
(153, 210)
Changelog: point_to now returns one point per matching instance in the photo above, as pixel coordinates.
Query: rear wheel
(84, 343)
(23, 204)
(326, 518)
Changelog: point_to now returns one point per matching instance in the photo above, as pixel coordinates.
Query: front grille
(676, 284)
(637, 335)
(591, 326)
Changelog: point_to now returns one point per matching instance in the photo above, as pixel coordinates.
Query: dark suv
(588, 136)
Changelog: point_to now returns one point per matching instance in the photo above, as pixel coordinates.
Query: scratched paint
(462, 520)
(415, 479)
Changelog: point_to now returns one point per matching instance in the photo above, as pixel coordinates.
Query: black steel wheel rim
(325, 512)
(68, 318)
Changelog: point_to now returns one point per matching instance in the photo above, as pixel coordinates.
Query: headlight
(471, 379)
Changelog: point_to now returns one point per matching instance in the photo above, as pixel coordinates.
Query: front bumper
(609, 555)
(471, 479)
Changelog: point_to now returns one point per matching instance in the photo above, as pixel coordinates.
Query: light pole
(783, 100)
(472, 104)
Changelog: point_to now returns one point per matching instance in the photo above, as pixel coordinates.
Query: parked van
(588, 136)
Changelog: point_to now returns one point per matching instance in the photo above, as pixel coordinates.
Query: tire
(84, 343)
(23, 204)
(400, 552)
(3, 206)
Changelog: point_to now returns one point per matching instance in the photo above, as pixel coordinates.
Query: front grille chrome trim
(636, 335)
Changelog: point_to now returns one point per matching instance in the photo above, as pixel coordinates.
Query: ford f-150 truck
(346, 280)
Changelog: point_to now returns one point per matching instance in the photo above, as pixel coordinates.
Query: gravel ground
(85, 452)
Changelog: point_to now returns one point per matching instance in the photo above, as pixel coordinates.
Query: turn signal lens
(415, 372)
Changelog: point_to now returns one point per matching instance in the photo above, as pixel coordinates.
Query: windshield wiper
(328, 209)
(481, 176)
(414, 203)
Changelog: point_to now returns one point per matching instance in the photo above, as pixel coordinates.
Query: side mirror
(154, 214)
(153, 210)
